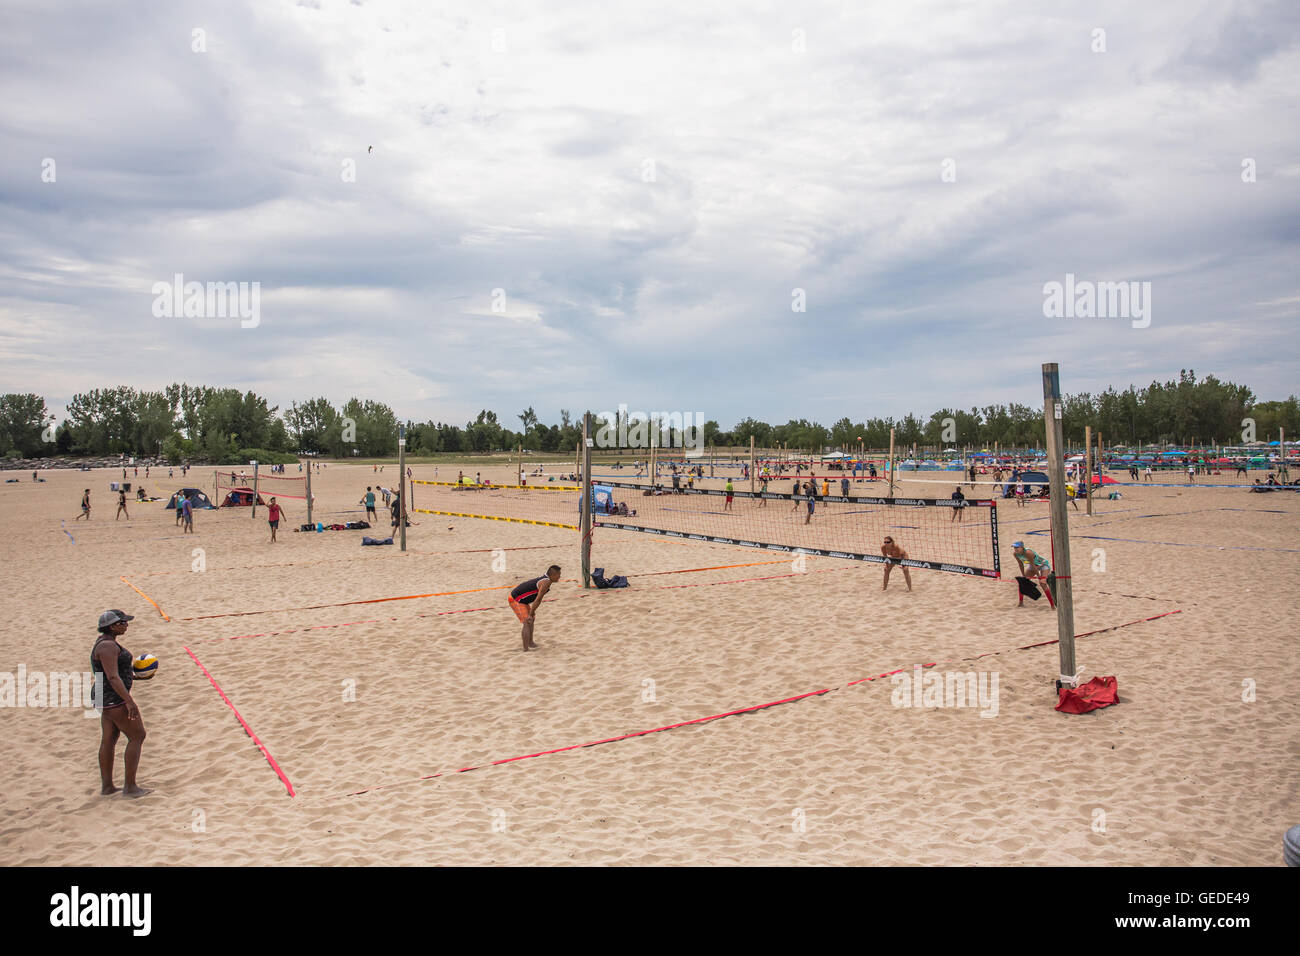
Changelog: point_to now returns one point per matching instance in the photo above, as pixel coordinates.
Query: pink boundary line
(743, 710)
(243, 723)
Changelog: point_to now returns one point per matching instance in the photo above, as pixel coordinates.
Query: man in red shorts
(526, 597)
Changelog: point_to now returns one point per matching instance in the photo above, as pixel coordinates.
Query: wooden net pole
(585, 485)
(401, 485)
(1087, 464)
(891, 463)
(1060, 524)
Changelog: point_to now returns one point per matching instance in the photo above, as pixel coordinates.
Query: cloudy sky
(581, 204)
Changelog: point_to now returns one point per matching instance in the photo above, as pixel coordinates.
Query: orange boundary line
(412, 597)
(146, 597)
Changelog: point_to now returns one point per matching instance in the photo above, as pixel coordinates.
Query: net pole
(309, 521)
(891, 463)
(751, 463)
(253, 510)
(1087, 464)
(1281, 444)
(401, 484)
(1052, 408)
(585, 485)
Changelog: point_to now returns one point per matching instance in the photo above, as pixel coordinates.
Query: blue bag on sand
(369, 540)
(617, 581)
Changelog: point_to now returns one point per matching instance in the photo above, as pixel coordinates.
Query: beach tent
(197, 498)
(1032, 480)
(240, 497)
(1104, 480)
(602, 500)
(835, 456)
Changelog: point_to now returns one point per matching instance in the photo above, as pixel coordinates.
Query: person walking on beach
(121, 505)
(972, 475)
(369, 499)
(730, 491)
(118, 713)
(85, 506)
(762, 490)
(180, 512)
(525, 599)
(187, 515)
(1020, 493)
(273, 514)
(811, 489)
(958, 507)
(796, 491)
(893, 554)
(1147, 475)
(1191, 472)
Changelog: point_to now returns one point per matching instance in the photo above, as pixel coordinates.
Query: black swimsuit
(124, 671)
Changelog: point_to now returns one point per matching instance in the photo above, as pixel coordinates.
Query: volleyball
(145, 666)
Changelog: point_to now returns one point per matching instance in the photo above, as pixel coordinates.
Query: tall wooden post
(309, 521)
(254, 508)
(1060, 524)
(585, 484)
(1284, 473)
(712, 451)
(751, 464)
(891, 463)
(401, 484)
(1087, 463)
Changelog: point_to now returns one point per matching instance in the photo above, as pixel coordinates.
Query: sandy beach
(347, 691)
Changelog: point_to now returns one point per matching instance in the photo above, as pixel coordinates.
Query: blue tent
(197, 498)
(602, 500)
(1032, 480)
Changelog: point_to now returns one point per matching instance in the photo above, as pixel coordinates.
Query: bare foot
(137, 792)
(105, 791)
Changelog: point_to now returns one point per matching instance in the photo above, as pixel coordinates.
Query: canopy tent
(835, 456)
(197, 498)
(1032, 480)
(240, 498)
(1104, 480)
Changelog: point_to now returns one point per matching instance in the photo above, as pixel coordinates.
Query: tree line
(227, 426)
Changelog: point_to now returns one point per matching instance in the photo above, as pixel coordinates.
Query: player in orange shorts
(526, 597)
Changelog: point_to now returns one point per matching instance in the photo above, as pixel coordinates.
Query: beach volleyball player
(118, 714)
(893, 554)
(525, 599)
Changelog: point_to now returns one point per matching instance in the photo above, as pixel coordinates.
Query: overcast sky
(648, 183)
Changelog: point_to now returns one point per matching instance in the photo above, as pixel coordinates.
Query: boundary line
(146, 597)
(243, 723)
(730, 713)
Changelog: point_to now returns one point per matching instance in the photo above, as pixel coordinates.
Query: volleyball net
(936, 534)
(239, 481)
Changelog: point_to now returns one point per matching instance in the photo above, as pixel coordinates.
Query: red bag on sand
(1098, 692)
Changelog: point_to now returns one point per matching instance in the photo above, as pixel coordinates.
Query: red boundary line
(733, 713)
(243, 723)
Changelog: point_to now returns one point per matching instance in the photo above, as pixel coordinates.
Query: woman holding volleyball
(118, 714)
